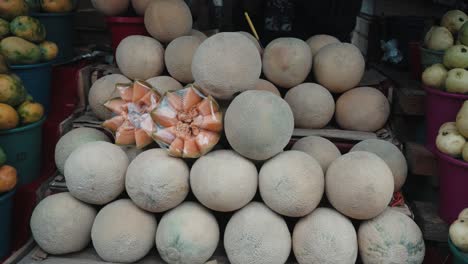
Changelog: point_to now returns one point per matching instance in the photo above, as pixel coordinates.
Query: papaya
(57, 6)
(10, 9)
(34, 5)
(12, 91)
(3, 65)
(3, 157)
(28, 28)
(8, 117)
(19, 51)
(30, 112)
(8, 178)
(4, 28)
(49, 50)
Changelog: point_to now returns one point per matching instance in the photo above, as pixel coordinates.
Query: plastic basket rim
(23, 128)
(438, 52)
(452, 160)
(7, 195)
(458, 254)
(125, 20)
(61, 14)
(31, 66)
(445, 94)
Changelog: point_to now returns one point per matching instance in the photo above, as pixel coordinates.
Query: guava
(459, 234)
(456, 57)
(457, 81)
(465, 158)
(450, 143)
(438, 38)
(462, 120)
(453, 20)
(463, 34)
(434, 76)
(448, 127)
(464, 214)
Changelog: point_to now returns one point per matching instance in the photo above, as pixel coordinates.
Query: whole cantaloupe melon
(319, 41)
(258, 124)
(313, 105)
(339, 67)
(111, 7)
(61, 224)
(359, 185)
(325, 237)
(187, 234)
(167, 20)
(265, 85)
(391, 237)
(255, 234)
(362, 109)
(321, 149)
(95, 172)
(287, 62)
(72, 140)
(200, 35)
(292, 183)
(140, 6)
(140, 57)
(390, 154)
(254, 41)
(178, 57)
(225, 64)
(223, 180)
(123, 233)
(156, 182)
(102, 91)
(164, 84)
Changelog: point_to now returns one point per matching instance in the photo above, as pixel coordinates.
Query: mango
(28, 28)
(30, 112)
(57, 6)
(8, 117)
(10, 9)
(12, 91)
(4, 28)
(19, 51)
(49, 50)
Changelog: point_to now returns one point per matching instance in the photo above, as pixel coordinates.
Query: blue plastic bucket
(6, 207)
(59, 28)
(37, 78)
(23, 146)
(458, 256)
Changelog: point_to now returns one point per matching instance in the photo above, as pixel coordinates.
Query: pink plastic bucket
(122, 27)
(441, 107)
(453, 194)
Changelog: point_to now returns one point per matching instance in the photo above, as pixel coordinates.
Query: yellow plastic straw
(251, 25)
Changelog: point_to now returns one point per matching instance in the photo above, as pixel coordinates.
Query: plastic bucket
(37, 78)
(458, 256)
(22, 146)
(59, 27)
(122, 27)
(453, 178)
(441, 107)
(6, 207)
(430, 57)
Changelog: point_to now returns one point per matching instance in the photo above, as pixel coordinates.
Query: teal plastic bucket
(458, 256)
(59, 28)
(6, 207)
(37, 78)
(22, 146)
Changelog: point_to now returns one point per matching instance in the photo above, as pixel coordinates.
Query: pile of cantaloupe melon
(128, 201)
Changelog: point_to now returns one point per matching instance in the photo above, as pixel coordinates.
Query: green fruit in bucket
(4, 28)
(457, 81)
(434, 76)
(462, 120)
(465, 155)
(463, 34)
(28, 28)
(438, 38)
(453, 20)
(3, 157)
(19, 51)
(450, 143)
(456, 57)
(49, 50)
(30, 112)
(12, 91)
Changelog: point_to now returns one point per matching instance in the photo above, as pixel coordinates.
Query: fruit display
(16, 106)
(458, 232)
(57, 6)
(321, 149)
(453, 136)
(164, 84)
(11, 9)
(188, 123)
(8, 178)
(178, 57)
(103, 90)
(132, 122)
(27, 43)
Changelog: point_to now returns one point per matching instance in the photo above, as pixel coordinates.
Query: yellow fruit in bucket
(49, 50)
(8, 117)
(30, 112)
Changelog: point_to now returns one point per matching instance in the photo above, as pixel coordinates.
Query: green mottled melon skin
(258, 124)
(391, 237)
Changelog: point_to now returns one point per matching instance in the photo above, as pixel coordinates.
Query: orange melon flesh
(125, 91)
(115, 105)
(142, 139)
(188, 122)
(149, 100)
(139, 91)
(114, 123)
(125, 136)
